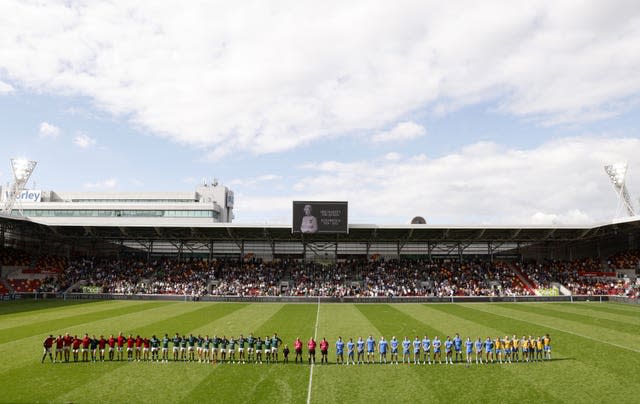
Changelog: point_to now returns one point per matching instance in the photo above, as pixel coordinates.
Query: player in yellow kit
(546, 341)
(515, 346)
(498, 343)
(506, 342)
(525, 349)
(539, 347)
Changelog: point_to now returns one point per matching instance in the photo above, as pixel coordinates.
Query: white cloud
(5, 88)
(109, 183)
(255, 180)
(400, 132)
(83, 141)
(559, 182)
(288, 74)
(48, 130)
(393, 156)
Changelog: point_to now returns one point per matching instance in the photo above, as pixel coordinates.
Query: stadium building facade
(207, 204)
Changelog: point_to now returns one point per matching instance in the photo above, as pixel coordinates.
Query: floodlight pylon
(617, 174)
(22, 170)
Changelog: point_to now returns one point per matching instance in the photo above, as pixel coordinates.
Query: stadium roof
(182, 229)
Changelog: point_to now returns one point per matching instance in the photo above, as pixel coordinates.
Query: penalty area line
(315, 337)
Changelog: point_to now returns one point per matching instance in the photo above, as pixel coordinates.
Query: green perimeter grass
(596, 350)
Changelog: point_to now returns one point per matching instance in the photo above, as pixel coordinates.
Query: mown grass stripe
(21, 356)
(584, 319)
(87, 373)
(601, 352)
(616, 339)
(596, 314)
(601, 308)
(28, 307)
(265, 383)
(550, 376)
(45, 327)
(60, 311)
(455, 376)
(188, 374)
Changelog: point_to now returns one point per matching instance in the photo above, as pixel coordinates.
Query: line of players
(215, 349)
(419, 351)
(185, 348)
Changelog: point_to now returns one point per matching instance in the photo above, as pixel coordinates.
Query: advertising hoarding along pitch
(312, 217)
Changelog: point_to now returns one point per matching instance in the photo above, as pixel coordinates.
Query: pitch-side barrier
(315, 299)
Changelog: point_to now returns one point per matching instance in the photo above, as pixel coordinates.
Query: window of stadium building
(135, 200)
(117, 213)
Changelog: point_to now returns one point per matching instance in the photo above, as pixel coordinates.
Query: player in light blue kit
(469, 349)
(478, 346)
(416, 350)
(371, 348)
(457, 346)
(360, 346)
(382, 348)
(406, 346)
(350, 351)
(488, 349)
(436, 349)
(394, 349)
(448, 345)
(340, 351)
(426, 349)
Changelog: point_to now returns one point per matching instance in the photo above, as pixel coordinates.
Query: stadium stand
(350, 278)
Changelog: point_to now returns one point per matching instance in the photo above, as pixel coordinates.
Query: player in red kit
(324, 349)
(130, 344)
(76, 347)
(138, 347)
(59, 345)
(47, 344)
(102, 343)
(311, 345)
(85, 347)
(297, 346)
(120, 341)
(68, 341)
(147, 347)
(112, 346)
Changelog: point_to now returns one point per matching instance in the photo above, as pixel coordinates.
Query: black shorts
(312, 351)
(323, 352)
(299, 351)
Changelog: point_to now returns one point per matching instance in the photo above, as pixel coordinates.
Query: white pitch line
(315, 337)
(561, 330)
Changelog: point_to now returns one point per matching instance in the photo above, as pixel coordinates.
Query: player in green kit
(267, 349)
(251, 342)
(241, 342)
(206, 356)
(223, 348)
(183, 348)
(199, 343)
(155, 345)
(232, 350)
(176, 346)
(275, 342)
(165, 348)
(259, 350)
(215, 343)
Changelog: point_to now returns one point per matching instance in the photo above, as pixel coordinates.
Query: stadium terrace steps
(5, 287)
(527, 282)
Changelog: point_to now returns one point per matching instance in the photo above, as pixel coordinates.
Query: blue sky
(500, 114)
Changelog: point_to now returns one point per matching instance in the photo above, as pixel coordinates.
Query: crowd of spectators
(290, 277)
(581, 277)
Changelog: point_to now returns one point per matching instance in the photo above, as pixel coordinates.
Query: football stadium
(319, 202)
(175, 308)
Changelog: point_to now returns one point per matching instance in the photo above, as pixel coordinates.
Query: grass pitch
(596, 351)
